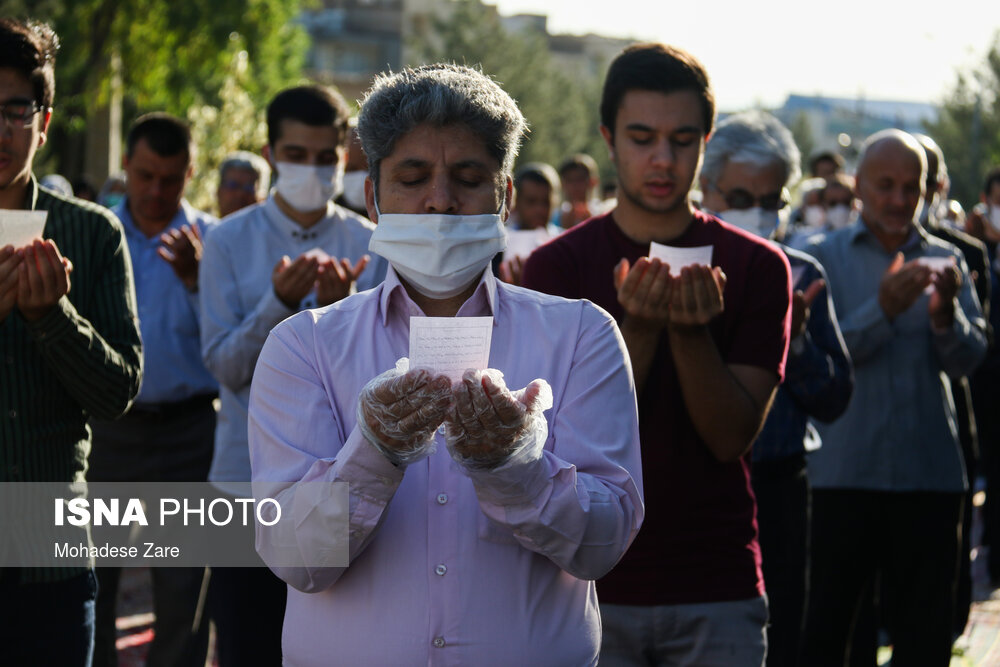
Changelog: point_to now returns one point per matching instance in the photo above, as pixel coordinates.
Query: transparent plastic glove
(400, 410)
(488, 425)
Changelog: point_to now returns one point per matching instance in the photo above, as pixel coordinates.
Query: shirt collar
(286, 225)
(31, 194)
(185, 215)
(394, 297)
(916, 237)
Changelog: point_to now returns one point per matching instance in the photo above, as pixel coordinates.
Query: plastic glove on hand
(487, 424)
(400, 410)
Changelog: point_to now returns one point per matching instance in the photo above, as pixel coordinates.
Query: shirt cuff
(367, 470)
(55, 324)
(518, 480)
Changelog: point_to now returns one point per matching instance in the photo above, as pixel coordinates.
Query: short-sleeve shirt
(699, 541)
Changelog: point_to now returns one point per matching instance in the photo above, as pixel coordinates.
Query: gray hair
(898, 136)
(250, 162)
(440, 95)
(751, 137)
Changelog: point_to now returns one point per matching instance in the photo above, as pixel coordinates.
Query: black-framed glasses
(740, 199)
(19, 113)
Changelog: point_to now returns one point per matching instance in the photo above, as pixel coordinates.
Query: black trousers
(911, 540)
(782, 491)
(172, 446)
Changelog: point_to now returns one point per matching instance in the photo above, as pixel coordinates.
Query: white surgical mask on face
(754, 220)
(438, 254)
(813, 216)
(307, 187)
(994, 217)
(838, 216)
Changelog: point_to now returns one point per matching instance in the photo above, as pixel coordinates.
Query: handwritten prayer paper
(678, 258)
(520, 242)
(450, 345)
(20, 228)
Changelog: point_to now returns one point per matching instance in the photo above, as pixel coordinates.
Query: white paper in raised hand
(937, 265)
(520, 242)
(450, 345)
(19, 228)
(678, 258)
(318, 253)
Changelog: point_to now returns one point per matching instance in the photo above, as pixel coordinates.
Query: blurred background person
(536, 196)
(244, 179)
(578, 177)
(112, 192)
(825, 163)
(750, 161)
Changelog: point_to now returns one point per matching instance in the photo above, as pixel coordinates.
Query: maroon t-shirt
(698, 542)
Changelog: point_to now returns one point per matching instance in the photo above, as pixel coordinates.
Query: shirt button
(13, 414)
(10, 359)
(440, 570)
(438, 642)
(385, 480)
(442, 498)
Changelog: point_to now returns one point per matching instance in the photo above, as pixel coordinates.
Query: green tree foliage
(236, 124)
(561, 109)
(174, 55)
(968, 127)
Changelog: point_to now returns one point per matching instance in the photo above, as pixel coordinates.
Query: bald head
(890, 184)
(892, 141)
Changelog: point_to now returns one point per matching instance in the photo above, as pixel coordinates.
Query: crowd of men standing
(761, 456)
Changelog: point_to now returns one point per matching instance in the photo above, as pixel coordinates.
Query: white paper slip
(520, 242)
(318, 253)
(678, 258)
(20, 228)
(450, 345)
(936, 263)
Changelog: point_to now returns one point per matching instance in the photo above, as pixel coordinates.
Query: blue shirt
(818, 375)
(899, 432)
(168, 315)
(239, 307)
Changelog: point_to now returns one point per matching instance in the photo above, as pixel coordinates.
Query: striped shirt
(81, 359)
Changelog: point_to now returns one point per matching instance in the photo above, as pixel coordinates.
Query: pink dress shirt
(450, 567)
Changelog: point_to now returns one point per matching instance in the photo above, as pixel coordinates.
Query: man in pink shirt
(478, 516)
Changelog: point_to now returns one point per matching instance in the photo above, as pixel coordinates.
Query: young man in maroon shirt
(707, 345)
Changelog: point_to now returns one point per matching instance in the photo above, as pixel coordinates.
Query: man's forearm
(725, 414)
(641, 340)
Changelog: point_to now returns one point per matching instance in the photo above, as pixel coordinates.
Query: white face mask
(813, 216)
(838, 217)
(994, 217)
(354, 189)
(439, 255)
(754, 220)
(306, 187)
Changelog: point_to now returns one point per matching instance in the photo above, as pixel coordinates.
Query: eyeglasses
(19, 113)
(740, 199)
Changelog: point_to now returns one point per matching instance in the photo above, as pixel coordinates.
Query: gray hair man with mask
(484, 504)
(295, 250)
(750, 161)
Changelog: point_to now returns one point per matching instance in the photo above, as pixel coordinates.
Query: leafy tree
(173, 55)
(236, 124)
(561, 109)
(968, 127)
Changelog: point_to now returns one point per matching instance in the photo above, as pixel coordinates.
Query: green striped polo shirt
(82, 359)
